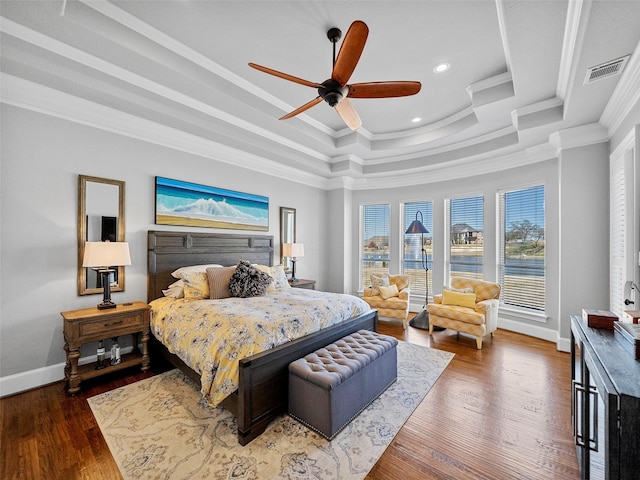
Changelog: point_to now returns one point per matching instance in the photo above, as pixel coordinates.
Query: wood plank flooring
(502, 412)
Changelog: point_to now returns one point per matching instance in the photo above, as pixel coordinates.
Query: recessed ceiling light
(441, 67)
(416, 119)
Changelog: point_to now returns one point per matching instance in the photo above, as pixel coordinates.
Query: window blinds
(521, 262)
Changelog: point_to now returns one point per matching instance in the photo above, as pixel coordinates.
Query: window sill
(516, 313)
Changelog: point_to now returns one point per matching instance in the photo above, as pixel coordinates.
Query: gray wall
(42, 157)
(577, 242)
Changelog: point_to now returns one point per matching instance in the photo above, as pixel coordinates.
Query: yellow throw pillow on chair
(450, 297)
(388, 291)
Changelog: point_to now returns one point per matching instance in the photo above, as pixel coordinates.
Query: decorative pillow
(279, 277)
(378, 280)
(219, 278)
(248, 281)
(175, 290)
(193, 268)
(400, 281)
(196, 285)
(267, 270)
(388, 292)
(461, 299)
(459, 290)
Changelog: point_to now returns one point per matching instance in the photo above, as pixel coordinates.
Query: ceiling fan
(335, 91)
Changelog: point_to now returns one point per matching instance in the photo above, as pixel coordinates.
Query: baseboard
(562, 344)
(21, 382)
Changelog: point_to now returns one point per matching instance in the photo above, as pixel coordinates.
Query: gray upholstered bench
(330, 387)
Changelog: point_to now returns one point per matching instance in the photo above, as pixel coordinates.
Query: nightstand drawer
(105, 327)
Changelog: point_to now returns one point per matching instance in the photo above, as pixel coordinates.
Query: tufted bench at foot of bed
(330, 387)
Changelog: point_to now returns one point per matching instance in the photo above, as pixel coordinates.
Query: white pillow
(458, 290)
(279, 277)
(276, 272)
(378, 281)
(193, 268)
(175, 290)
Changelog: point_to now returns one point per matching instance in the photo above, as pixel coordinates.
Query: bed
(261, 394)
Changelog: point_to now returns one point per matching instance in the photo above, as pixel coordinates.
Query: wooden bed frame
(263, 380)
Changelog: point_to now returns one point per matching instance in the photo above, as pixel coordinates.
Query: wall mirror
(100, 218)
(287, 232)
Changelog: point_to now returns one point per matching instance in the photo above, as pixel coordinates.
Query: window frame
(418, 280)
(364, 272)
(449, 242)
(502, 229)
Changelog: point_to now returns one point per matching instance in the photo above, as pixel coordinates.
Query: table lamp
(101, 256)
(293, 251)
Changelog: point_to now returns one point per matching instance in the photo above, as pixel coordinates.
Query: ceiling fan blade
(350, 52)
(383, 89)
(348, 114)
(286, 76)
(304, 107)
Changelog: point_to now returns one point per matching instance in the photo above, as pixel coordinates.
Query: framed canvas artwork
(190, 204)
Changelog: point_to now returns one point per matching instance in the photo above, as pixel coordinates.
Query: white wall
(41, 159)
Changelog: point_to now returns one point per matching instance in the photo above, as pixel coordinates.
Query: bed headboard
(168, 251)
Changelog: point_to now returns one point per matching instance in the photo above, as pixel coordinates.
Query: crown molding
(52, 45)
(625, 96)
(32, 96)
(462, 168)
(575, 28)
(581, 136)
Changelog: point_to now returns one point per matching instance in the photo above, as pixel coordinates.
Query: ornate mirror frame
(91, 192)
(287, 232)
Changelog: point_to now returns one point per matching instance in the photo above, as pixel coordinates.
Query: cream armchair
(470, 306)
(389, 294)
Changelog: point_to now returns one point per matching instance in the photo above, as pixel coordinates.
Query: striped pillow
(219, 278)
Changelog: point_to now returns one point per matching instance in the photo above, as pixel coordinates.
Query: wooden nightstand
(302, 283)
(91, 325)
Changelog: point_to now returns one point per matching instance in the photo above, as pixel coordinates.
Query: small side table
(302, 283)
(91, 325)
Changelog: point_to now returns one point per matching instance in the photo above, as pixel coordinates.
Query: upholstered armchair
(469, 306)
(389, 294)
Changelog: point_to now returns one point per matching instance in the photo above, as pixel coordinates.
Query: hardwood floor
(502, 412)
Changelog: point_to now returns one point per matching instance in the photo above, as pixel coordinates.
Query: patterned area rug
(157, 428)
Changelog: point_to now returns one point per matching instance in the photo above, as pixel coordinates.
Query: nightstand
(91, 325)
(302, 283)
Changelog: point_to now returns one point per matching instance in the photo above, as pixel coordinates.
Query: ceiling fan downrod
(334, 34)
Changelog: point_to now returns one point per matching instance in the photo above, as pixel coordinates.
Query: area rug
(158, 428)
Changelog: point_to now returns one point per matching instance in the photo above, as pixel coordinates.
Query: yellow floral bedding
(212, 335)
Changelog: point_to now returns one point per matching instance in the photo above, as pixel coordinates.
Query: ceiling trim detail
(35, 38)
(31, 96)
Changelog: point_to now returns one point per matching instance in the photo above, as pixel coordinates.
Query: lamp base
(421, 321)
(106, 305)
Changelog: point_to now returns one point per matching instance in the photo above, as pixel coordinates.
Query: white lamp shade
(106, 254)
(292, 250)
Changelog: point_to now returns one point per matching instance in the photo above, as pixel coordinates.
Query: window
(374, 241)
(412, 264)
(521, 263)
(466, 241)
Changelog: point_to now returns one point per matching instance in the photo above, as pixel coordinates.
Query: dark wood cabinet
(605, 404)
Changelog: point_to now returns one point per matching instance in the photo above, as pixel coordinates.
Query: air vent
(609, 69)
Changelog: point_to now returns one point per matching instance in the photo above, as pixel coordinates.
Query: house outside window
(466, 237)
(521, 255)
(411, 250)
(374, 241)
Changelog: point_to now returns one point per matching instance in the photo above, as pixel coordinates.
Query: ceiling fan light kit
(336, 91)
